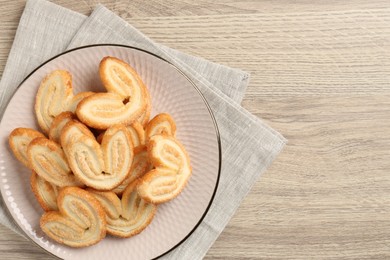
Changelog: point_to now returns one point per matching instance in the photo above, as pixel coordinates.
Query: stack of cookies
(99, 165)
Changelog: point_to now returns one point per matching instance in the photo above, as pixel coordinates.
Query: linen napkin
(248, 145)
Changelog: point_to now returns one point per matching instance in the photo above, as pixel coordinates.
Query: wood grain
(320, 74)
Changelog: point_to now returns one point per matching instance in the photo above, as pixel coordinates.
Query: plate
(172, 92)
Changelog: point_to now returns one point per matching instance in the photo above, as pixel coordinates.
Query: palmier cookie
(45, 192)
(55, 95)
(124, 102)
(80, 220)
(172, 170)
(161, 124)
(128, 216)
(100, 166)
(58, 124)
(138, 168)
(48, 160)
(19, 139)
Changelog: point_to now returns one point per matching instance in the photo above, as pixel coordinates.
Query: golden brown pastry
(47, 159)
(119, 77)
(80, 221)
(19, 139)
(138, 168)
(55, 95)
(58, 124)
(123, 104)
(172, 170)
(45, 192)
(128, 216)
(131, 165)
(100, 166)
(161, 124)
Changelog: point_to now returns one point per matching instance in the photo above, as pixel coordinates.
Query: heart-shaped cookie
(55, 95)
(128, 216)
(45, 192)
(80, 220)
(19, 139)
(160, 124)
(100, 166)
(172, 170)
(48, 160)
(124, 102)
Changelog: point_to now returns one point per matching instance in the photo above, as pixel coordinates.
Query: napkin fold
(248, 145)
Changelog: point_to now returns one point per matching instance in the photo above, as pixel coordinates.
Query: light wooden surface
(320, 74)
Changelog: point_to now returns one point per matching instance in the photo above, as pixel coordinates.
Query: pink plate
(171, 92)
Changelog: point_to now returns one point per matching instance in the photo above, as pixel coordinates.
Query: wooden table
(320, 74)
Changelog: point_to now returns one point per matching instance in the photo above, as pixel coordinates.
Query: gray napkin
(248, 145)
